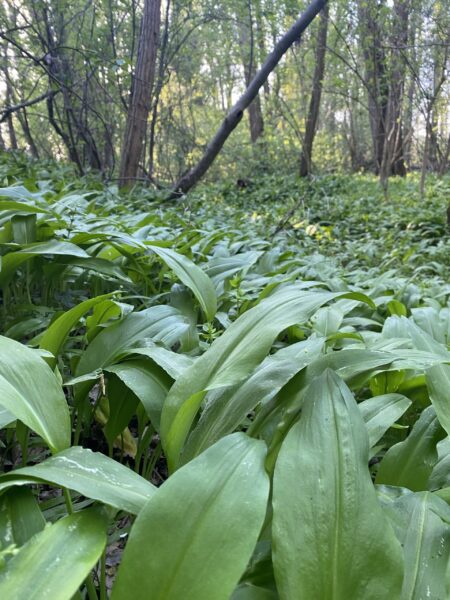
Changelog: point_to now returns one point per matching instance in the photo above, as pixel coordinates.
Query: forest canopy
(364, 88)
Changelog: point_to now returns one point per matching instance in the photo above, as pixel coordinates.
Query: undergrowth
(262, 370)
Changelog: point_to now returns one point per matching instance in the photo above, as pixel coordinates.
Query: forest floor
(113, 285)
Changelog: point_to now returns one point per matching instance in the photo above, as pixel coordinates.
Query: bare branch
(12, 109)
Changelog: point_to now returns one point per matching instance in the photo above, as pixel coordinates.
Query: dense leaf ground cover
(260, 375)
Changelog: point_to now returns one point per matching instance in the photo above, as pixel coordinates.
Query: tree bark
(158, 90)
(247, 42)
(443, 165)
(232, 120)
(141, 94)
(314, 105)
(9, 119)
(260, 35)
(393, 162)
(23, 120)
(375, 75)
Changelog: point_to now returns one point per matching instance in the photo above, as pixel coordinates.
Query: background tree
(383, 98)
(316, 93)
(141, 91)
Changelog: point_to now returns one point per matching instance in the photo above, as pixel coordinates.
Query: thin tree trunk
(432, 127)
(261, 43)
(314, 105)
(430, 148)
(443, 166)
(158, 89)
(9, 120)
(232, 120)
(408, 123)
(23, 120)
(425, 157)
(140, 103)
(247, 42)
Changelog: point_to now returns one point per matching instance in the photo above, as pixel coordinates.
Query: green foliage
(326, 518)
(244, 368)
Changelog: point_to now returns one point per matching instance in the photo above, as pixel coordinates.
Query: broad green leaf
(193, 539)
(148, 382)
(162, 323)
(24, 228)
(173, 363)
(20, 517)
(181, 299)
(328, 320)
(351, 364)
(427, 549)
(226, 409)
(381, 412)
(224, 267)
(12, 260)
(331, 539)
(31, 392)
(233, 356)
(192, 276)
(386, 382)
(438, 383)
(401, 327)
(98, 265)
(435, 322)
(418, 359)
(119, 406)
(357, 366)
(20, 192)
(104, 312)
(440, 476)
(20, 206)
(91, 377)
(421, 522)
(410, 463)
(92, 474)
(5, 417)
(54, 563)
(96, 236)
(55, 336)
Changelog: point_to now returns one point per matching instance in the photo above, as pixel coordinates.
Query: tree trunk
(9, 101)
(393, 162)
(314, 105)
(260, 35)
(408, 122)
(443, 165)
(141, 93)
(247, 43)
(9, 120)
(375, 75)
(158, 90)
(23, 120)
(232, 120)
